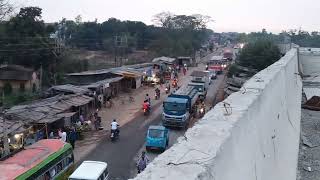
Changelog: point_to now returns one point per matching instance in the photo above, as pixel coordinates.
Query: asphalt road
(121, 155)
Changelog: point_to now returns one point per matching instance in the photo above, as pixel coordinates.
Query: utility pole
(40, 78)
(120, 44)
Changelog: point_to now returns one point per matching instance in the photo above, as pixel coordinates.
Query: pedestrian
(184, 71)
(72, 136)
(142, 162)
(81, 119)
(51, 135)
(63, 135)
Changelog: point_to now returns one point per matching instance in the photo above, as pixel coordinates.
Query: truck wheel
(163, 149)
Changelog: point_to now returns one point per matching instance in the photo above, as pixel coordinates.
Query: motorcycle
(114, 135)
(174, 84)
(146, 111)
(202, 112)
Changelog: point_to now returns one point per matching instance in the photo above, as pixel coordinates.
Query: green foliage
(304, 38)
(180, 35)
(233, 70)
(15, 99)
(24, 39)
(259, 54)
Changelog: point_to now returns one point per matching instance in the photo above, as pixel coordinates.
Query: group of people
(70, 137)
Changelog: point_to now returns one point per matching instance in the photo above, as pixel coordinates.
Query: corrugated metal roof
(47, 110)
(163, 59)
(68, 88)
(12, 127)
(103, 82)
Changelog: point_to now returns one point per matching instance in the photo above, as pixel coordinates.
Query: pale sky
(229, 15)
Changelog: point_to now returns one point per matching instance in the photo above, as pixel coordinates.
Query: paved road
(121, 154)
(174, 134)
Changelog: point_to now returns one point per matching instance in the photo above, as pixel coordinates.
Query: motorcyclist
(147, 98)
(175, 83)
(157, 91)
(114, 127)
(146, 105)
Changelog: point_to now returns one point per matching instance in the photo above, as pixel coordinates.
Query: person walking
(142, 162)
(72, 136)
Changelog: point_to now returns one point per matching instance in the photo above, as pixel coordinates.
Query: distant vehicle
(201, 77)
(228, 54)
(157, 138)
(45, 159)
(218, 68)
(179, 106)
(91, 170)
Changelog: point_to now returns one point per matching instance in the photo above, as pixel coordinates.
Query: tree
(29, 43)
(5, 9)
(259, 55)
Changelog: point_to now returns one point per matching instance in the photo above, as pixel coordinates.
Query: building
(20, 79)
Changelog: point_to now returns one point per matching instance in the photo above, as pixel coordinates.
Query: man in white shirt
(63, 136)
(114, 126)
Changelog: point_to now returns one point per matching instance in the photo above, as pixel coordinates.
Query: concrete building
(19, 78)
(255, 132)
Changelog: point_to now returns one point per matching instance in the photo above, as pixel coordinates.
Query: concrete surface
(253, 134)
(309, 154)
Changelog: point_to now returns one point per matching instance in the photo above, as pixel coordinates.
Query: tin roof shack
(51, 113)
(165, 60)
(15, 131)
(88, 77)
(186, 60)
(19, 78)
(131, 78)
(67, 89)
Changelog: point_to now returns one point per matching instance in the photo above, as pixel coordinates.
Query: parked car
(157, 138)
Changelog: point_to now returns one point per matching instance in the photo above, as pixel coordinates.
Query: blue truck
(179, 106)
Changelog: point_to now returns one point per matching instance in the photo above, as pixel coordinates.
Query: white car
(91, 170)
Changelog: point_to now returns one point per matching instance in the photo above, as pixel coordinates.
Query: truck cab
(175, 112)
(178, 107)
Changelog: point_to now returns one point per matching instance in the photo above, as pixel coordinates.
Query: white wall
(310, 60)
(258, 140)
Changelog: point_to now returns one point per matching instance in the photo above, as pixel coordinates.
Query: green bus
(45, 160)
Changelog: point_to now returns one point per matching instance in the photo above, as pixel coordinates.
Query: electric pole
(120, 44)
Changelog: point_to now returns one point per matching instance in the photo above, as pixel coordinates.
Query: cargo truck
(179, 106)
(201, 87)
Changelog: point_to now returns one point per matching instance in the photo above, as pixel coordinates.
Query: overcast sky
(229, 15)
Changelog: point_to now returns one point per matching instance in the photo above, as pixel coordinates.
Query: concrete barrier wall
(310, 61)
(252, 135)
